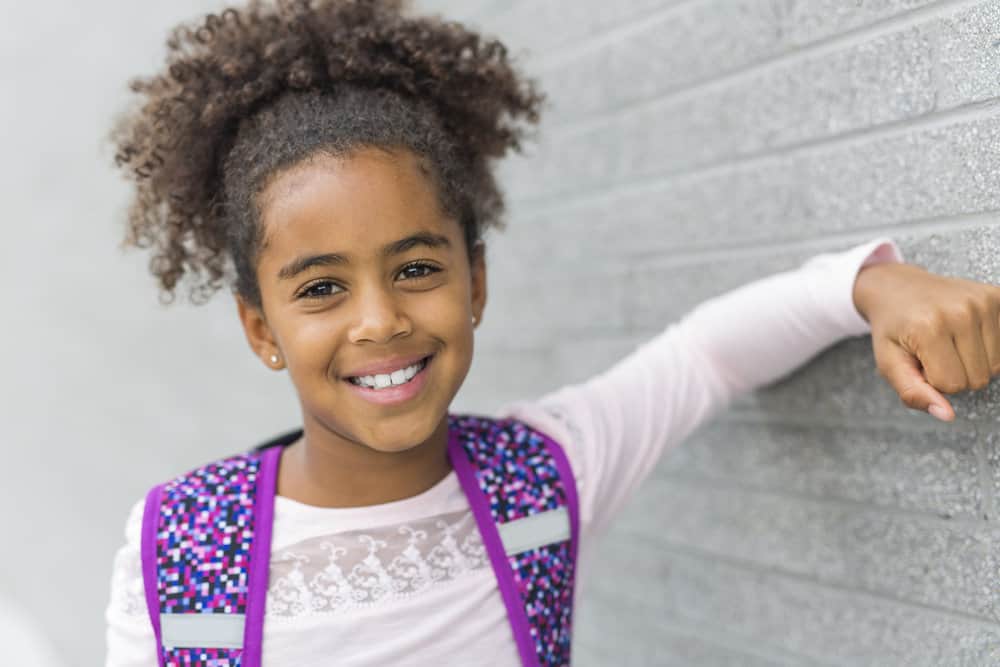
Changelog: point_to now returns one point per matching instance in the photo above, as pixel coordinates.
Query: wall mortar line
(751, 566)
(966, 113)
(821, 47)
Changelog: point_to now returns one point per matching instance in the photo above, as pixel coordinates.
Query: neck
(325, 469)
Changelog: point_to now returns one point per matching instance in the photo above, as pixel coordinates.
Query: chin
(405, 433)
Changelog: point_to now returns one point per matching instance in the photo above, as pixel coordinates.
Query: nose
(379, 318)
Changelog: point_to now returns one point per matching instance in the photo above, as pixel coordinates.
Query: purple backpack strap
(206, 541)
(522, 492)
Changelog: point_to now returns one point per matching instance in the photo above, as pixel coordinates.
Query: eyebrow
(300, 264)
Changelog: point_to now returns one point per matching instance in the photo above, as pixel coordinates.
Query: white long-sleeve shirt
(409, 582)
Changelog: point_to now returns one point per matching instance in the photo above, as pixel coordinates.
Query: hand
(930, 333)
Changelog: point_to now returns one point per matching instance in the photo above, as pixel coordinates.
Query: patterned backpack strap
(206, 541)
(522, 492)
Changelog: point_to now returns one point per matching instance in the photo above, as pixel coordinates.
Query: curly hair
(253, 91)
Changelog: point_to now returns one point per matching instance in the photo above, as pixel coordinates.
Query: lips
(386, 366)
(393, 395)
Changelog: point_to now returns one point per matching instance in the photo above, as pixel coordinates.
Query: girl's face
(361, 273)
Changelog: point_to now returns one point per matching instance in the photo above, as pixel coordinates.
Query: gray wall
(690, 146)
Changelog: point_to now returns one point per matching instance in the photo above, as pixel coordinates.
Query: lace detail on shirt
(336, 573)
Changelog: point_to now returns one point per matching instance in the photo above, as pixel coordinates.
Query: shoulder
(524, 440)
(556, 419)
(524, 421)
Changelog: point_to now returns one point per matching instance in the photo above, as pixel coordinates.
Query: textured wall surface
(692, 146)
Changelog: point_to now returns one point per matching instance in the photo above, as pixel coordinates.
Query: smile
(394, 379)
(392, 388)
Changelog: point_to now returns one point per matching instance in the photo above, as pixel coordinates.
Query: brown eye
(320, 289)
(418, 270)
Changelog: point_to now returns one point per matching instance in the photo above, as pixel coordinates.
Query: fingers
(991, 337)
(975, 360)
(942, 364)
(900, 368)
(975, 335)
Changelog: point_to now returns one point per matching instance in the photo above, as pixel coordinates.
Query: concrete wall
(690, 146)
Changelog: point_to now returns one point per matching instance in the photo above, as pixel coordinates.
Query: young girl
(332, 161)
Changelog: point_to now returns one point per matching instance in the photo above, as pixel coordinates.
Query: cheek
(445, 310)
(311, 343)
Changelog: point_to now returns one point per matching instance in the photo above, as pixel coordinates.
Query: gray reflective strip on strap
(202, 630)
(534, 531)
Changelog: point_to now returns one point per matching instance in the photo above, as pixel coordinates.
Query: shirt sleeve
(615, 426)
(129, 635)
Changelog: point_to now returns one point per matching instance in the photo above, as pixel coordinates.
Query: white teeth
(383, 380)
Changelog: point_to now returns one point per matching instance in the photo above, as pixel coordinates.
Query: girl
(332, 161)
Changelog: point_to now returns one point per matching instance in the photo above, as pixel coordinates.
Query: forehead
(350, 204)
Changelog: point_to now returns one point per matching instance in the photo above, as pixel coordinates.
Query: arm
(616, 425)
(759, 333)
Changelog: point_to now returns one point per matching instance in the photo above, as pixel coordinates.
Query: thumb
(902, 370)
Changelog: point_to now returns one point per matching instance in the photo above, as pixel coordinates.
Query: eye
(319, 289)
(418, 270)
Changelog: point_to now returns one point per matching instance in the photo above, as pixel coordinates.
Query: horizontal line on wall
(933, 520)
(820, 47)
(594, 41)
(665, 546)
(703, 255)
(624, 263)
(968, 113)
(914, 423)
(681, 626)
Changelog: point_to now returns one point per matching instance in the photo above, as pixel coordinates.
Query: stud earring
(475, 320)
(274, 359)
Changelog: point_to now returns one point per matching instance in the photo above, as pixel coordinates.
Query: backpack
(206, 543)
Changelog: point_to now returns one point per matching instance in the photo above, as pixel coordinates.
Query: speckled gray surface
(939, 562)
(769, 609)
(924, 68)
(888, 80)
(694, 42)
(925, 471)
(920, 174)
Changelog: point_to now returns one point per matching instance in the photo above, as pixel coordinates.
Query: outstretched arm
(616, 425)
(764, 330)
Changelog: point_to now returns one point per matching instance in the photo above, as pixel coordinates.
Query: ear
(478, 280)
(259, 334)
